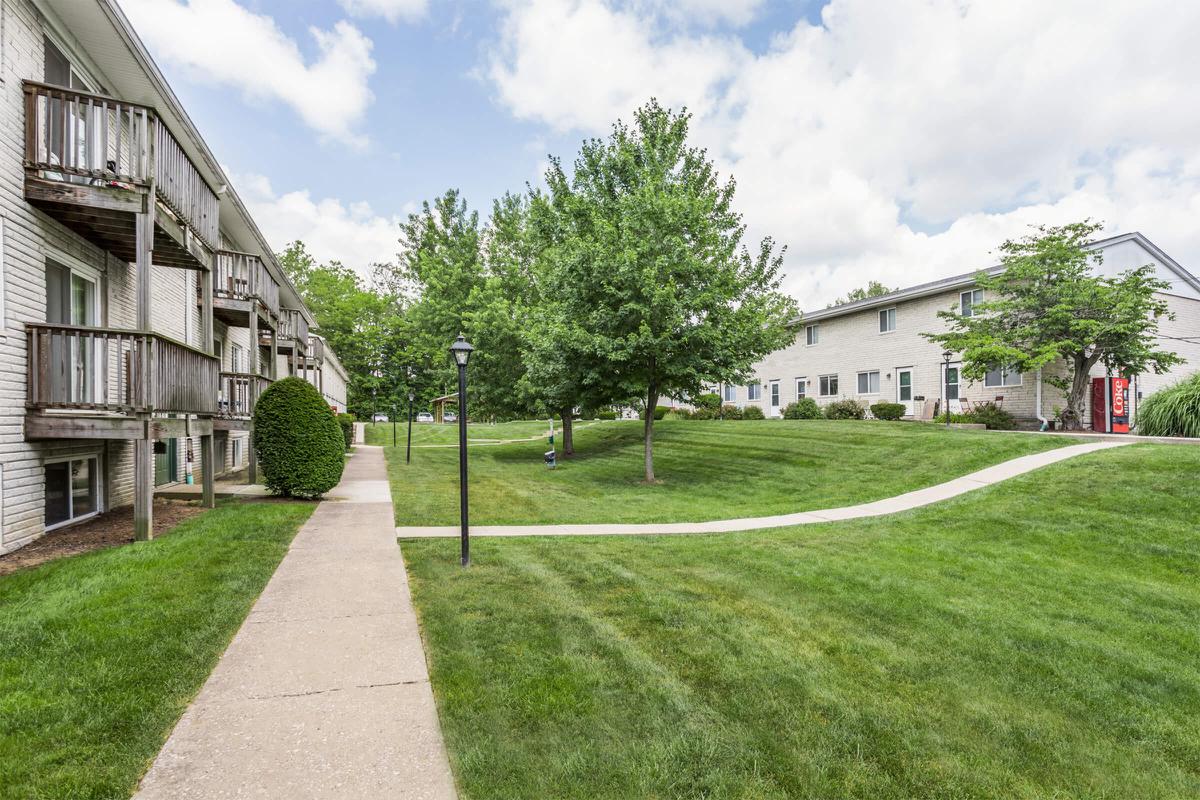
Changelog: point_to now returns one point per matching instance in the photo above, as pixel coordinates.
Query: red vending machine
(1110, 405)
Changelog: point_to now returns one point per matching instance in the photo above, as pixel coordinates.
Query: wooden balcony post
(143, 488)
(206, 308)
(207, 471)
(274, 363)
(144, 234)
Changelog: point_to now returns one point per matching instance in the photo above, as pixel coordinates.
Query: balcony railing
(293, 325)
(239, 393)
(316, 349)
(84, 138)
(116, 370)
(244, 276)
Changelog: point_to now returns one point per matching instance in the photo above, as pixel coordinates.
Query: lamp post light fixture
(461, 351)
(946, 356)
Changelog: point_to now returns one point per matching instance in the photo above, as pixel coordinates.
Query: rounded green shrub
(753, 412)
(659, 412)
(995, 417)
(804, 408)
(845, 409)
(346, 421)
(1172, 411)
(703, 412)
(606, 415)
(709, 401)
(887, 411)
(299, 444)
(730, 412)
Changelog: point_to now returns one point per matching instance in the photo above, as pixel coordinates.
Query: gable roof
(967, 279)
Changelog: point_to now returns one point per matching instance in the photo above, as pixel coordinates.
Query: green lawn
(101, 653)
(1038, 638)
(708, 470)
(425, 433)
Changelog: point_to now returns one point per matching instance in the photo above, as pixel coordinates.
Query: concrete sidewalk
(902, 502)
(324, 691)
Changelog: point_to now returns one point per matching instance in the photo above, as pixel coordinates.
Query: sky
(897, 141)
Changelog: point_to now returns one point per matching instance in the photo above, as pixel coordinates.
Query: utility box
(1110, 405)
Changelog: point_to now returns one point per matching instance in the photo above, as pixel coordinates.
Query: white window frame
(868, 374)
(71, 520)
(887, 317)
(774, 393)
(729, 393)
(1005, 379)
(824, 384)
(753, 392)
(967, 301)
(812, 334)
(801, 387)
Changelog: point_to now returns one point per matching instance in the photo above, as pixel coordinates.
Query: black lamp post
(946, 356)
(461, 351)
(393, 424)
(408, 449)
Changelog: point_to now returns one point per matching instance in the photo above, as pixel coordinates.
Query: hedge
(299, 444)
(887, 411)
(753, 412)
(845, 409)
(804, 408)
(346, 421)
(606, 415)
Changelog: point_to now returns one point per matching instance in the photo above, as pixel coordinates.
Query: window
(774, 394)
(730, 393)
(801, 388)
(868, 382)
(238, 359)
(828, 385)
(1002, 376)
(237, 453)
(71, 490)
(813, 333)
(753, 391)
(887, 320)
(967, 301)
(951, 383)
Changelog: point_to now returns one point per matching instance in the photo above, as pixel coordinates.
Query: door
(72, 490)
(774, 389)
(904, 390)
(71, 299)
(166, 464)
(950, 387)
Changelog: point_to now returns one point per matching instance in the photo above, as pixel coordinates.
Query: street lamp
(408, 452)
(393, 424)
(946, 356)
(461, 351)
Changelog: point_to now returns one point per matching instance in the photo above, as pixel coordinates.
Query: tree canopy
(872, 289)
(1048, 308)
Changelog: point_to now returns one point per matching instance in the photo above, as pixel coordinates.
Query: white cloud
(391, 10)
(848, 139)
(330, 228)
(221, 42)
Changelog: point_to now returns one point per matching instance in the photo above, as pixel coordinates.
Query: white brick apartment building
(872, 350)
(140, 306)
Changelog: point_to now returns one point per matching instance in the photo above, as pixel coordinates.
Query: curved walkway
(901, 502)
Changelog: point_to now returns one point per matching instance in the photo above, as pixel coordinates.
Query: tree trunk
(651, 402)
(1072, 417)
(568, 440)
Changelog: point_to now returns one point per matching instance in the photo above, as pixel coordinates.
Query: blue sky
(895, 141)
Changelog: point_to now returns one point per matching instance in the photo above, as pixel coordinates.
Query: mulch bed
(108, 530)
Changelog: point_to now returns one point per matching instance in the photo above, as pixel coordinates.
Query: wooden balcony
(242, 285)
(292, 333)
(113, 380)
(94, 162)
(238, 395)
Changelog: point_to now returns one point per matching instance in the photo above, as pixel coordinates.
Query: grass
(425, 433)
(101, 653)
(1038, 638)
(708, 470)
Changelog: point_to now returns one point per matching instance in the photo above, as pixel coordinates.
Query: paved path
(903, 502)
(324, 691)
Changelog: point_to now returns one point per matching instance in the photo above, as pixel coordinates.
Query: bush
(298, 442)
(606, 415)
(804, 408)
(710, 401)
(957, 419)
(347, 422)
(888, 411)
(730, 412)
(753, 412)
(845, 409)
(995, 417)
(1173, 411)
(703, 412)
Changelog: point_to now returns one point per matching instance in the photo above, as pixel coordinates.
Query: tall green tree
(1048, 307)
(651, 283)
(872, 289)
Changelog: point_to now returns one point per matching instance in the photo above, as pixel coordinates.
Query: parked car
(380, 417)
(449, 416)
(424, 416)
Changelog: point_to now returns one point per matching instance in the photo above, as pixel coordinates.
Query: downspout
(1045, 422)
